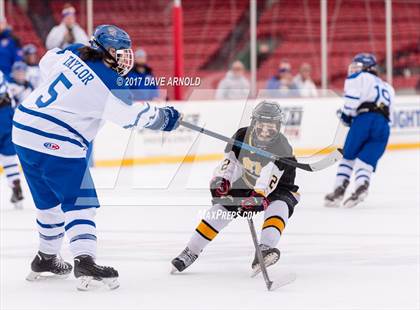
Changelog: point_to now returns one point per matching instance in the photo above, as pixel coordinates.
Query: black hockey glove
(5, 100)
(346, 119)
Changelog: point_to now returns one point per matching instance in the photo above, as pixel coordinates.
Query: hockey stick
(260, 258)
(325, 162)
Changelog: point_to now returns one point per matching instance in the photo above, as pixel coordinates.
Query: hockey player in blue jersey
(8, 158)
(367, 104)
(52, 129)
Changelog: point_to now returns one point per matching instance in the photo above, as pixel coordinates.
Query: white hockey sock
(11, 168)
(50, 224)
(216, 218)
(275, 220)
(344, 171)
(81, 231)
(363, 172)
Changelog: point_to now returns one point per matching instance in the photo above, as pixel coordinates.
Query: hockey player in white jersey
(52, 129)
(8, 158)
(33, 73)
(19, 86)
(367, 104)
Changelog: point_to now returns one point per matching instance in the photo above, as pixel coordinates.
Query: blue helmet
(106, 37)
(110, 36)
(29, 49)
(19, 66)
(19, 71)
(363, 62)
(368, 60)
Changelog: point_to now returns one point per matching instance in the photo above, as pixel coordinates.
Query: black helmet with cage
(266, 120)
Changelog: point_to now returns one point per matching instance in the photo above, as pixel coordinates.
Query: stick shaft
(319, 165)
(260, 258)
(237, 143)
(242, 145)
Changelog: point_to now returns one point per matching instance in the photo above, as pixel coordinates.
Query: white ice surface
(362, 258)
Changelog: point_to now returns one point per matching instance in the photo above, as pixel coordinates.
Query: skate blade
(90, 283)
(269, 260)
(42, 276)
(332, 204)
(352, 203)
(282, 280)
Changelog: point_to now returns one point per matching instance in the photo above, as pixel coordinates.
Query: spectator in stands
(144, 83)
(281, 84)
(234, 85)
(10, 50)
(305, 86)
(68, 32)
(263, 53)
(19, 86)
(33, 74)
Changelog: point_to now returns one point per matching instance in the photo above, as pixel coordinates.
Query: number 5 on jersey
(53, 92)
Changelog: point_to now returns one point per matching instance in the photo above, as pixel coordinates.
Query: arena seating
(22, 26)
(204, 34)
(296, 25)
(292, 26)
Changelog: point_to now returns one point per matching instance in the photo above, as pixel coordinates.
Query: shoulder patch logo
(51, 146)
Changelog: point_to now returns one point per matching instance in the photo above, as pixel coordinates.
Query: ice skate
(270, 255)
(334, 199)
(183, 260)
(17, 196)
(357, 197)
(46, 266)
(89, 274)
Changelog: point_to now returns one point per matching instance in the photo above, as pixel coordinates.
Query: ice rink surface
(362, 258)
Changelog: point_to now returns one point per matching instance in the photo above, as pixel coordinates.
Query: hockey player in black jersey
(245, 183)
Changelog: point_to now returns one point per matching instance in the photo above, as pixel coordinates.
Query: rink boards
(312, 127)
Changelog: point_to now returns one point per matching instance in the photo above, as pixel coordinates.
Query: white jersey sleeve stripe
(351, 97)
(136, 122)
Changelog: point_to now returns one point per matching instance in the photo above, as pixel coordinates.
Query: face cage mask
(125, 61)
(258, 130)
(354, 67)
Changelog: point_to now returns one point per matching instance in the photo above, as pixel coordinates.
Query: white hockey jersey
(20, 91)
(63, 115)
(364, 87)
